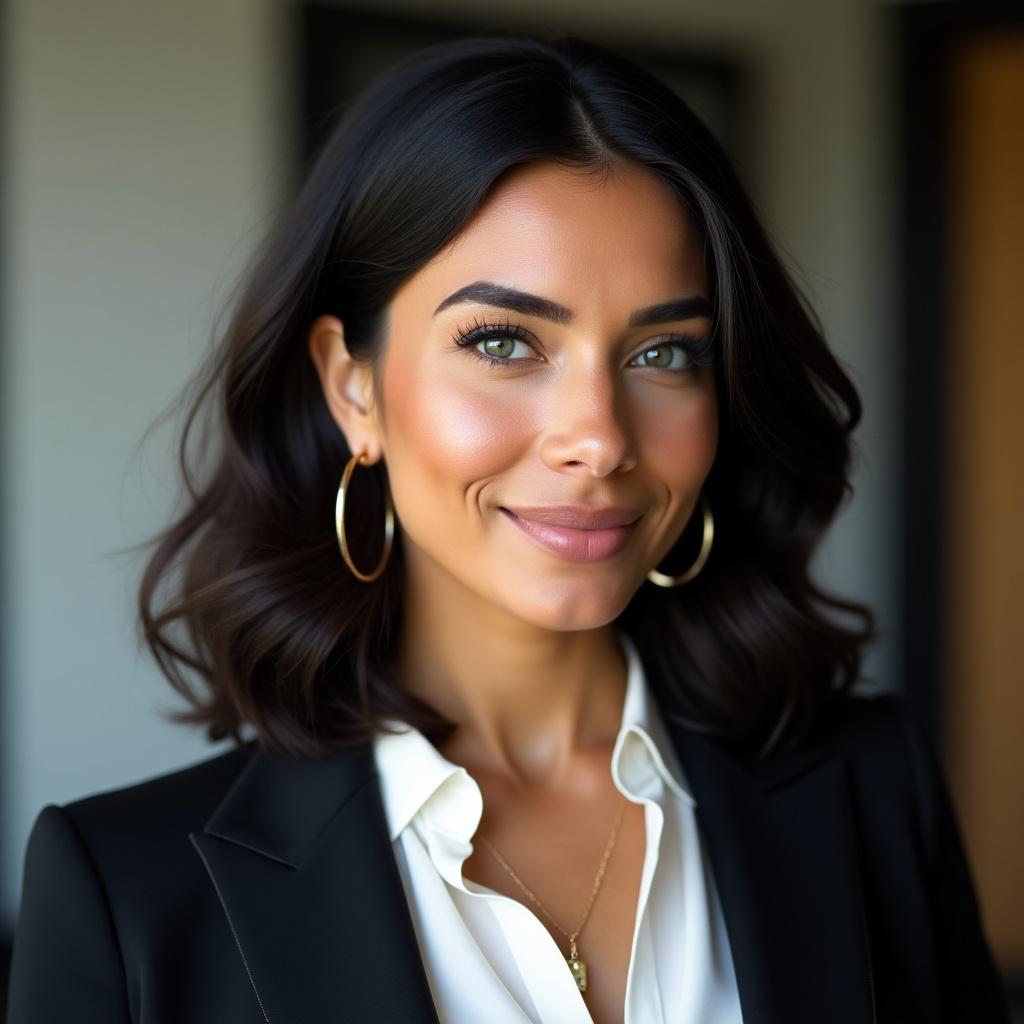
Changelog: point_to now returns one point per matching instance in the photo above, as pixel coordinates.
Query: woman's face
(580, 405)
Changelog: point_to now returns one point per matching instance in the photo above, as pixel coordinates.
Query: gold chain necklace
(577, 966)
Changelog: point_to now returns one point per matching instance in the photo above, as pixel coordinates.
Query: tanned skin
(513, 642)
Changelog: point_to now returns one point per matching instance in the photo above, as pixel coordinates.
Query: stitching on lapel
(231, 925)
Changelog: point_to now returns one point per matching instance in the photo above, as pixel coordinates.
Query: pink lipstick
(577, 533)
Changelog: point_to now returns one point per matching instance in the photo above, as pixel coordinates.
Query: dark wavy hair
(247, 588)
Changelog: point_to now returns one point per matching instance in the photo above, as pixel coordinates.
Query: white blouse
(489, 957)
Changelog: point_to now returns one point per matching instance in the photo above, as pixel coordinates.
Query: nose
(589, 426)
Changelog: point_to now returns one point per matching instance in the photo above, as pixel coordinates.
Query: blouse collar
(415, 776)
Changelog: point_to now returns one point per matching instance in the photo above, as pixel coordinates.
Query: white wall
(146, 143)
(144, 150)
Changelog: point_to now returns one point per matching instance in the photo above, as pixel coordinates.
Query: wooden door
(983, 643)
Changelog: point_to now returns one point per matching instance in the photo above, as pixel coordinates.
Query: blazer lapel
(299, 855)
(782, 844)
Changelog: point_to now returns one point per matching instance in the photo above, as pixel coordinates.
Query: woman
(524, 443)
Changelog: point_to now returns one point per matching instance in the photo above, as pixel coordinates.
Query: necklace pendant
(579, 972)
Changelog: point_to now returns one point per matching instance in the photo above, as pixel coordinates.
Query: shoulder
(912, 847)
(858, 719)
(111, 892)
(150, 816)
(866, 727)
(895, 765)
(122, 856)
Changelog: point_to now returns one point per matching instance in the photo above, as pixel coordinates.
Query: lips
(578, 517)
(557, 529)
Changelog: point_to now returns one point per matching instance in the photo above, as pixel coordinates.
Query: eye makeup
(699, 351)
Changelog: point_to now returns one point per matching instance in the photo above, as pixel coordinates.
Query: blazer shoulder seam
(67, 817)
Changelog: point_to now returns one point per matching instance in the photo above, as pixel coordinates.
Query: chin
(569, 609)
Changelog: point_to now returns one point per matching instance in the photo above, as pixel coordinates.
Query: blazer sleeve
(66, 963)
(973, 988)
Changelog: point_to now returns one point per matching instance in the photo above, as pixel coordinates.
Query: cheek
(446, 439)
(679, 439)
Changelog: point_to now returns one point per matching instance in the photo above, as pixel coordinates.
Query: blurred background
(147, 145)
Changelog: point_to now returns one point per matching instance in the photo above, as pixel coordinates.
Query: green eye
(692, 353)
(667, 352)
(499, 341)
(495, 343)
(498, 345)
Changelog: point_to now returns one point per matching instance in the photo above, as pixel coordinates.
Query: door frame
(926, 36)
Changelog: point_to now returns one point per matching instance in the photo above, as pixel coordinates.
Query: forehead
(593, 241)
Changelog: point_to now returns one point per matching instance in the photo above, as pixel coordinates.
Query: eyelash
(700, 351)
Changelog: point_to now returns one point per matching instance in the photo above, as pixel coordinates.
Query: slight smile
(577, 533)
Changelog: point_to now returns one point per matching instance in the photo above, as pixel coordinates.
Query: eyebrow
(492, 294)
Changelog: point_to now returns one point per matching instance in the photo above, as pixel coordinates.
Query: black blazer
(257, 887)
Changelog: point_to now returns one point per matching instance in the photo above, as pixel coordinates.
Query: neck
(529, 701)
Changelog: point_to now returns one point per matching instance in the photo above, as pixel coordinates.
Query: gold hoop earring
(339, 522)
(705, 549)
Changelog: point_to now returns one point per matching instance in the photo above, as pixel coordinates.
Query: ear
(347, 387)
